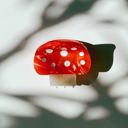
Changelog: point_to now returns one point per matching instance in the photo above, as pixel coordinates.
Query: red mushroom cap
(62, 57)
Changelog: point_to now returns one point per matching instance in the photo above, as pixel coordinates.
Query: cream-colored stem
(63, 80)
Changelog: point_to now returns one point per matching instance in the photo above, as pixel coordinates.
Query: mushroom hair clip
(72, 62)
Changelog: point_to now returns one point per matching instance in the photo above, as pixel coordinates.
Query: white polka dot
(49, 50)
(53, 64)
(44, 59)
(67, 63)
(81, 53)
(64, 53)
(82, 62)
(73, 48)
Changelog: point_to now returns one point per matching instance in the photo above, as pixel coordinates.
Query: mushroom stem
(63, 80)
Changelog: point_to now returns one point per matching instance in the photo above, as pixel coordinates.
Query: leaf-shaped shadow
(76, 7)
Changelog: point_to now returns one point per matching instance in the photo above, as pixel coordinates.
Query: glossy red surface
(62, 57)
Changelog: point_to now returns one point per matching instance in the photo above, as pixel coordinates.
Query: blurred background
(26, 99)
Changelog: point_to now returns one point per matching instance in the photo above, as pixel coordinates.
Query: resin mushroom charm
(73, 62)
(62, 60)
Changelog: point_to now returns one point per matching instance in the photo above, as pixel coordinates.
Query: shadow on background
(102, 60)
